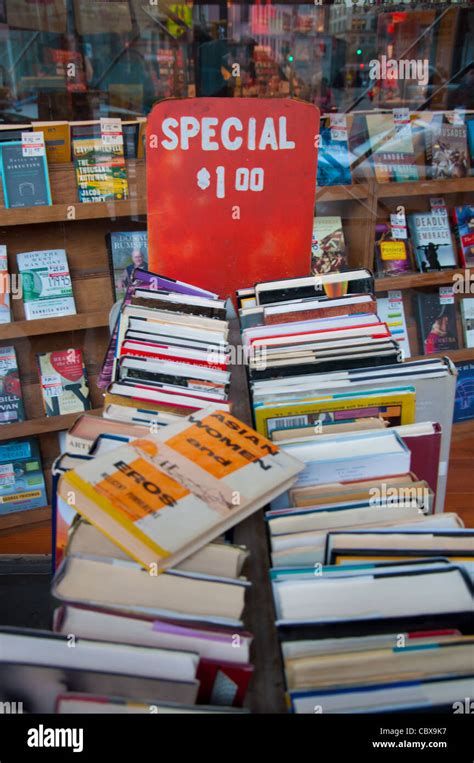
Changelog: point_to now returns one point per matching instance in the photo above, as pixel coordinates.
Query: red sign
(231, 190)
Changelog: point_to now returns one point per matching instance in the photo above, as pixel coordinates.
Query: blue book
(25, 179)
(22, 483)
(464, 401)
(333, 160)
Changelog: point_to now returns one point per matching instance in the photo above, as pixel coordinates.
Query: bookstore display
(236, 360)
(357, 379)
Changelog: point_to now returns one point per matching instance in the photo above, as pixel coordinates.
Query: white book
(46, 282)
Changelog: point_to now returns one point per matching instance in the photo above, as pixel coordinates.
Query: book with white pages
(387, 697)
(311, 547)
(455, 543)
(211, 643)
(124, 587)
(383, 596)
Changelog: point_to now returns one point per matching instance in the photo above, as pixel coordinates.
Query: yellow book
(57, 140)
(163, 497)
(396, 406)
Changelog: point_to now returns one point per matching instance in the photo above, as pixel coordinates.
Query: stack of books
(371, 580)
(151, 592)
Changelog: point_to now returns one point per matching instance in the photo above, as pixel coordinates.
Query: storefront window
(82, 60)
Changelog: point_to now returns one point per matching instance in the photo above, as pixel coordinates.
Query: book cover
(395, 406)
(432, 243)
(328, 248)
(11, 401)
(165, 496)
(57, 140)
(447, 155)
(464, 401)
(333, 160)
(63, 380)
(463, 218)
(391, 311)
(22, 484)
(5, 308)
(393, 155)
(46, 282)
(467, 314)
(470, 139)
(392, 256)
(25, 179)
(436, 323)
(127, 250)
(101, 173)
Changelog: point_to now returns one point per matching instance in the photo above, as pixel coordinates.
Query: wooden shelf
(41, 425)
(424, 188)
(24, 518)
(62, 212)
(464, 427)
(64, 193)
(56, 325)
(417, 280)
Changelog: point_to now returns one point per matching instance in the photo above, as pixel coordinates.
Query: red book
(425, 451)
(223, 683)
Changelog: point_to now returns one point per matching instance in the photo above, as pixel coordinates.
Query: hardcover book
(393, 156)
(463, 218)
(328, 249)
(432, 243)
(63, 380)
(467, 314)
(436, 324)
(101, 173)
(333, 160)
(165, 496)
(57, 139)
(11, 402)
(447, 154)
(392, 256)
(127, 250)
(21, 476)
(47, 289)
(5, 309)
(25, 179)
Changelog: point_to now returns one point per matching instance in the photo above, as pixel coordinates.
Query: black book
(436, 323)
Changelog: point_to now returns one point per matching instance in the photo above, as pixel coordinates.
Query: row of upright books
(372, 581)
(395, 146)
(428, 241)
(99, 150)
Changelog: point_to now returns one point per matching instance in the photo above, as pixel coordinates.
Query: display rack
(80, 229)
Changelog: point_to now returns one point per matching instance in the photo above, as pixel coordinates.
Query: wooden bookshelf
(43, 326)
(418, 280)
(81, 230)
(34, 427)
